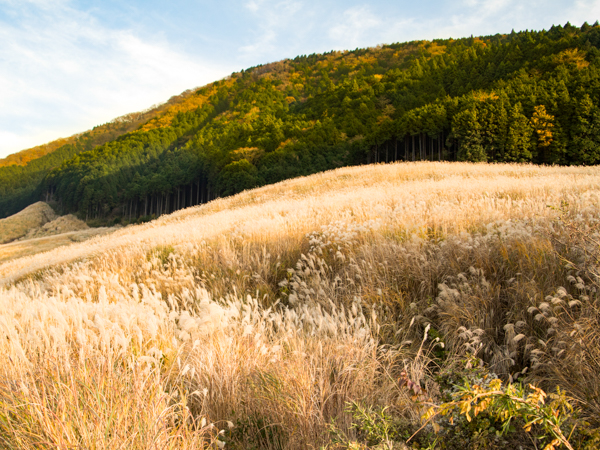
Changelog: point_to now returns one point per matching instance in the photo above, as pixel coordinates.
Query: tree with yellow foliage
(542, 124)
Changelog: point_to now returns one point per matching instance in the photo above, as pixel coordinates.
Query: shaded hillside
(521, 97)
(22, 173)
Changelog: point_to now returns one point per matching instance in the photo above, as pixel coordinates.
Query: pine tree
(518, 139)
(542, 124)
(585, 143)
(467, 130)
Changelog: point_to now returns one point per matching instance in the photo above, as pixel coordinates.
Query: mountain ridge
(491, 98)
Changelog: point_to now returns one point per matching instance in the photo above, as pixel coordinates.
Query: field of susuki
(441, 304)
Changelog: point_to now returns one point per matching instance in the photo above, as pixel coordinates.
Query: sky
(68, 65)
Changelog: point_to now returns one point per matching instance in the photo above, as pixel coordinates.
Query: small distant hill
(64, 224)
(32, 217)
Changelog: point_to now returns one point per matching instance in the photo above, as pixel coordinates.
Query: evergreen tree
(585, 141)
(467, 130)
(518, 139)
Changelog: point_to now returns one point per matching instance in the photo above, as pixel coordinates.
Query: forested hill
(527, 96)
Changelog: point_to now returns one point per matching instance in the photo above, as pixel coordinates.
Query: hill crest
(519, 97)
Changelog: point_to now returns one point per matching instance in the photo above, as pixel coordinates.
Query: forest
(531, 96)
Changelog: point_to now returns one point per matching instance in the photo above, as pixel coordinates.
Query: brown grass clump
(16, 226)
(325, 312)
(63, 224)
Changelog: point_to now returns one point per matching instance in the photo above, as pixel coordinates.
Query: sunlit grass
(261, 316)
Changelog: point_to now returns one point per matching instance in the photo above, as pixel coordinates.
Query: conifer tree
(585, 142)
(467, 130)
(518, 139)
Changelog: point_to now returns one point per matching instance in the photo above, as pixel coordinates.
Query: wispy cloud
(354, 26)
(586, 11)
(273, 19)
(63, 72)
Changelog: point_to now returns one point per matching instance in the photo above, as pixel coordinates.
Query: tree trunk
(431, 149)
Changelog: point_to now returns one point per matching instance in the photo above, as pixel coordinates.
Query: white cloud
(253, 5)
(355, 25)
(585, 11)
(274, 18)
(62, 72)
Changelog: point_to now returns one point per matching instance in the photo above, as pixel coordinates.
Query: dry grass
(34, 245)
(63, 224)
(274, 308)
(16, 226)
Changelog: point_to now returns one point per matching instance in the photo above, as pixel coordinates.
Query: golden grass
(269, 311)
(414, 198)
(32, 246)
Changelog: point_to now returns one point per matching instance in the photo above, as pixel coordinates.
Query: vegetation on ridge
(22, 173)
(523, 97)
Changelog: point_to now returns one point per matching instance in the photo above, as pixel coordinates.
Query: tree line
(520, 97)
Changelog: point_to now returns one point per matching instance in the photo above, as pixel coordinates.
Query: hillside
(530, 96)
(22, 173)
(37, 229)
(329, 311)
(56, 234)
(102, 133)
(32, 217)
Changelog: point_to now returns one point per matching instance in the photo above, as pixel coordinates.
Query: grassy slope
(37, 229)
(45, 243)
(17, 225)
(353, 255)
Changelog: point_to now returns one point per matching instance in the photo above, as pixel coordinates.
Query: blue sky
(68, 65)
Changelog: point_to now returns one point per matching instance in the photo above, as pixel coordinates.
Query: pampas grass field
(331, 311)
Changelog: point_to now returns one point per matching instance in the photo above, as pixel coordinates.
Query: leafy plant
(508, 403)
